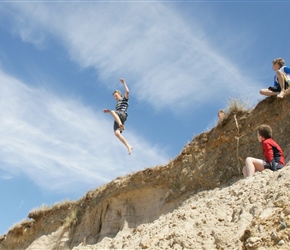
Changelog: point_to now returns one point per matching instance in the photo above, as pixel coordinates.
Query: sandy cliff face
(197, 201)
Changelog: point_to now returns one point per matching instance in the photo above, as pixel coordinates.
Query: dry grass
(38, 212)
(20, 225)
(236, 105)
(41, 209)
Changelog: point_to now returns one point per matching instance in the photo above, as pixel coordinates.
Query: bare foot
(122, 127)
(130, 148)
(281, 94)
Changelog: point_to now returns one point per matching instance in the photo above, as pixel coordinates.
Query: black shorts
(123, 118)
(268, 166)
(278, 88)
(275, 89)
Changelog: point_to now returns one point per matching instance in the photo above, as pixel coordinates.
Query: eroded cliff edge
(211, 160)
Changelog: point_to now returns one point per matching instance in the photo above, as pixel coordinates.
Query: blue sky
(60, 61)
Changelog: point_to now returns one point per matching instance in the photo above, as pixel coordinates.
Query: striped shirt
(122, 105)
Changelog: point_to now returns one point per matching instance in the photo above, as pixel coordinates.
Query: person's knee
(248, 159)
(117, 133)
(265, 92)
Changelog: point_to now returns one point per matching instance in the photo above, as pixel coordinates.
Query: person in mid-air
(120, 114)
(281, 80)
(274, 156)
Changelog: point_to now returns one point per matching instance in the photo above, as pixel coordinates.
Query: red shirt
(272, 151)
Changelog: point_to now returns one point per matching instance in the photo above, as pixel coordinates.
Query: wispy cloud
(59, 143)
(6, 177)
(169, 64)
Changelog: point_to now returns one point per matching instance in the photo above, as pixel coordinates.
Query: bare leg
(252, 165)
(117, 119)
(268, 92)
(281, 81)
(123, 140)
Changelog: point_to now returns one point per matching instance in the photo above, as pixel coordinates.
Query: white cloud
(59, 143)
(168, 63)
(6, 177)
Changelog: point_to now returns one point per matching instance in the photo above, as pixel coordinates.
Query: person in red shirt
(274, 156)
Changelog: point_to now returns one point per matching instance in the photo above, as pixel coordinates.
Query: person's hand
(106, 110)
(122, 80)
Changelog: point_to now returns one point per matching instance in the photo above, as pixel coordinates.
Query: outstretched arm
(126, 88)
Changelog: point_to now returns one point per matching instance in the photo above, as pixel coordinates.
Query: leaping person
(120, 114)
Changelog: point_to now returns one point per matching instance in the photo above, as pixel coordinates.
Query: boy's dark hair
(280, 61)
(265, 131)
